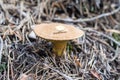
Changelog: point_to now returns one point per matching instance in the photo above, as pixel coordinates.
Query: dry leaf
(77, 61)
(27, 77)
(95, 74)
(23, 77)
(113, 31)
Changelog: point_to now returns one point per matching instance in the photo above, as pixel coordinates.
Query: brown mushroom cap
(57, 31)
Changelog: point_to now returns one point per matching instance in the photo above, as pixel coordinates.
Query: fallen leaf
(23, 77)
(77, 61)
(27, 77)
(95, 74)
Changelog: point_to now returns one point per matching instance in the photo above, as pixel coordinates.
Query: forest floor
(95, 56)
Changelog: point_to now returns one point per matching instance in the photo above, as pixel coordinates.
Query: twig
(117, 53)
(64, 75)
(31, 68)
(87, 19)
(104, 35)
(1, 48)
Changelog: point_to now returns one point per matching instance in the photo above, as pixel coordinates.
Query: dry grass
(95, 56)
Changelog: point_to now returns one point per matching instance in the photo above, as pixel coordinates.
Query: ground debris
(94, 56)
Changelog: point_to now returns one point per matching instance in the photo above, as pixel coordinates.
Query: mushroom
(59, 34)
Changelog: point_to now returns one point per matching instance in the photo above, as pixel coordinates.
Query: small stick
(104, 35)
(1, 48)
(88, 19)
(64, 75)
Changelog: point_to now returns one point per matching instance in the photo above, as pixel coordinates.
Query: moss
(116, 36)
(3, 66)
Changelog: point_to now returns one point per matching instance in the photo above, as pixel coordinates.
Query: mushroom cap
(57, 31)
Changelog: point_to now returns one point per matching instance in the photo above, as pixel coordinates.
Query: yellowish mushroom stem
(59, 47)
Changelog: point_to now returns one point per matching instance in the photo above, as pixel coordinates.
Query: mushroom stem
(59, 47)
